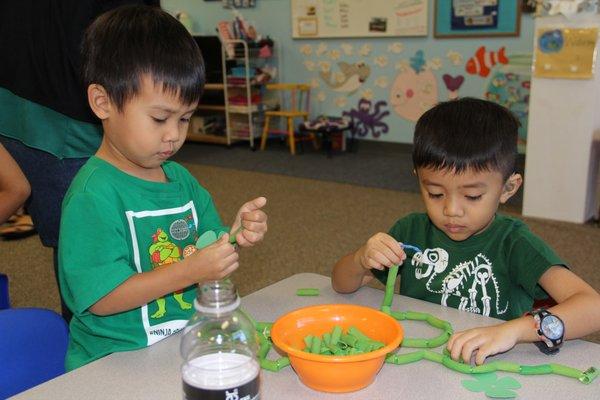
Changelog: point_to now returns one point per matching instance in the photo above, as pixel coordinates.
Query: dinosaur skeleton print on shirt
(472, 281)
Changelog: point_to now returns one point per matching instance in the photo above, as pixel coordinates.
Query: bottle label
(247, 391)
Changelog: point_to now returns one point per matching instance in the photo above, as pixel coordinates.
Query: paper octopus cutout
(367, 118)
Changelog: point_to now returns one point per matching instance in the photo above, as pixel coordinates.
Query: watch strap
(546, 345)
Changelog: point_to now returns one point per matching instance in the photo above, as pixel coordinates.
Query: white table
(153, 372)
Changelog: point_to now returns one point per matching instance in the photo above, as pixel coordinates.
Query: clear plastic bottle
(219, 348)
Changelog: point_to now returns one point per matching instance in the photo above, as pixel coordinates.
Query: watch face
(552, 327)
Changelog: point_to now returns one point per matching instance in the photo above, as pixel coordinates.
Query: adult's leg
(14, 187)
(49, 177)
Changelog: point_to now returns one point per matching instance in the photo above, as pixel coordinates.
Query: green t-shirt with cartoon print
(494, 273)
(113, 226)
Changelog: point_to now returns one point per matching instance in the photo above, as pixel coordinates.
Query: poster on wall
(566, 53)
(358, 18)
(474, 14)
(476, 18)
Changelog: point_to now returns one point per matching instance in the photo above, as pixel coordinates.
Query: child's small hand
(213, 262)
(253, 222)
(482, 342)
(381, 251)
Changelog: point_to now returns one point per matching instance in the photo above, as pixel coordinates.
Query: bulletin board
(358, 18)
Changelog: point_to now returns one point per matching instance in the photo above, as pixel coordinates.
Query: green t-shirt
(494, 273)
(113, 226)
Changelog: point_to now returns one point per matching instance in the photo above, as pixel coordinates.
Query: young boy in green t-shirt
(131, 218)
(467, 256)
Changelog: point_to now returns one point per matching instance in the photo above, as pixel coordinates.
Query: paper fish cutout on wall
(453, 83)
(482, 62)
(353, 76)
(414, 90)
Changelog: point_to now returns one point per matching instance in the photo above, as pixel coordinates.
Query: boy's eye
(435, 195)
(185, 120)
(473, 198)
(159, 120)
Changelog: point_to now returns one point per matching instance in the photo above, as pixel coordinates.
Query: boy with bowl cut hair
(473, 258)
(131, 218)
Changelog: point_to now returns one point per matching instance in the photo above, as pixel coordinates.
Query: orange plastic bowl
(335, 373)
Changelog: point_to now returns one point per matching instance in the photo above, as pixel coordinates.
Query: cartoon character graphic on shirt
(470, 280)
(162, 253)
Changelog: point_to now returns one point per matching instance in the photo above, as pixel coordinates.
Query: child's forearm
(348, 275)
(580, 314)
(143, 288)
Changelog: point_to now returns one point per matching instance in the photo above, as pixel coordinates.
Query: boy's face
(150, 128)
(463, 205)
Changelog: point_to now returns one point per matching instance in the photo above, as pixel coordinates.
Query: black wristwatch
(550, 329)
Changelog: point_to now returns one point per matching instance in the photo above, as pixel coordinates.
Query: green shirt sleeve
(93, 252)
(529, 258)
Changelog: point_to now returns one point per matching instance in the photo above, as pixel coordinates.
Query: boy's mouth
(166, 154)
(452, 228)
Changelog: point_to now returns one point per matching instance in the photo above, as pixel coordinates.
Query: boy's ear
(99, 100)
(512, 184)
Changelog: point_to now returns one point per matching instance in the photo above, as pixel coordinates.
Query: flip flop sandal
(19, 229)
(10, 221)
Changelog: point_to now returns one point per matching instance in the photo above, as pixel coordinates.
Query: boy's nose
(171, 134)
(452, 208)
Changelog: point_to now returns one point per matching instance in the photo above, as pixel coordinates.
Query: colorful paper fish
(482, 62)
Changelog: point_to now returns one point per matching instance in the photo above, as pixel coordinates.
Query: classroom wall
(392, 63)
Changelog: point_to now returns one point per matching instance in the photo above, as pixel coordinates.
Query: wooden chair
(294, 103)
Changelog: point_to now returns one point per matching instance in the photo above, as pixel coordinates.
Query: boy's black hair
(123, 44)
(464, 134)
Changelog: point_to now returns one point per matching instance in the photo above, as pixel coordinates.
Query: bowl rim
(292, 351)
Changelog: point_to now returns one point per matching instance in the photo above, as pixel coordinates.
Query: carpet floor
(312, 223)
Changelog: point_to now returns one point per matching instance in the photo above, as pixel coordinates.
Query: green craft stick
(485, 368)
(307, 292)
(389, 286)
(232, 237)
(507, 366)
(565, 371)
(263, 350)
(338, 352)
(377, 345)
(456, 366)
(308, 342)
(264, 328)
(363, 345)
(269, 365)
(416, 316)
(433, 356)
(354, 331)
(400, 316)
(438, 341)
(436, 322)
(315, 346)
(414, 343)
(536, 369)
(336, 333)
(282, 362)
(407, 358)
(349, 340)
(588, 375)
